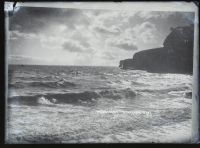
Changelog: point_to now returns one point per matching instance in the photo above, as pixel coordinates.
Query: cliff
(175, 57)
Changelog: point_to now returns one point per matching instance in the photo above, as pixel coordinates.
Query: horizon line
(59, 65)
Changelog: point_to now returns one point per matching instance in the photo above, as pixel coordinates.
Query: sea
(96, 104)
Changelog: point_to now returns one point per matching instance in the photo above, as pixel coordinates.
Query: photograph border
(143, 6)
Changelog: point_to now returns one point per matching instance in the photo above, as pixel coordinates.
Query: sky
(87, 37)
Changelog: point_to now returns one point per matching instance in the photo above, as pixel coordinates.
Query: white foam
(43, 100)
(54, 100)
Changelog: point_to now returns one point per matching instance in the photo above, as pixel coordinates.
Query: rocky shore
(176, 55)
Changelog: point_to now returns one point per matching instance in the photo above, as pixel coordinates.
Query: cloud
(104, 30)
(160, 15)
(154, 14)
(98, 27)
(116, 18)
(16, 35)
(32, 19)
(122, 43)
(145, 32)
(75, 46)
(109, 22)
(83, 35)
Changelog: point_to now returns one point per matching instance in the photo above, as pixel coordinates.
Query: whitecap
(43, 100)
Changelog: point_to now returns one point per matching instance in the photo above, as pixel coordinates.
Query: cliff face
(175, 57)
(126, 64)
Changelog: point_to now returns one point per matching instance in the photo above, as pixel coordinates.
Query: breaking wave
(43, 100)
(49, 84)
(73, 98)
(165, 90)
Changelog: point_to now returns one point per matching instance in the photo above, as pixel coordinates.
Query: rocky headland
(176, 55)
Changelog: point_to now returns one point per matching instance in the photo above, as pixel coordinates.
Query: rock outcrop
(175, 57)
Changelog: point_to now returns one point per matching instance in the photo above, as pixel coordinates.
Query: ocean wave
(48, 84)
(176, 115)
(16, 85)
(118, 94)
(73, 98)
(165, 90)
(187, 93)
(49, 99)
(38, 77)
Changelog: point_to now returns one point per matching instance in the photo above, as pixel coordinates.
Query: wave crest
(74, 98)
(49, 84)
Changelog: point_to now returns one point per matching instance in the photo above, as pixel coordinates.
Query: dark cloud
(32, 19)
(189, 16)
(181, 18)
(184, 17)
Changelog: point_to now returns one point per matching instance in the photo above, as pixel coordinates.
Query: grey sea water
(80, 104)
